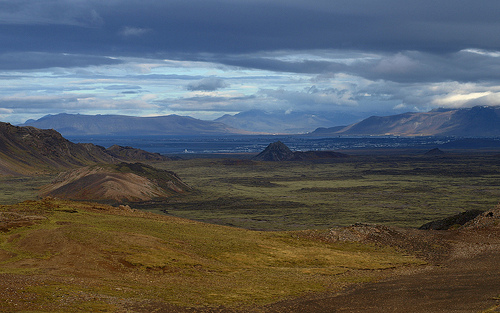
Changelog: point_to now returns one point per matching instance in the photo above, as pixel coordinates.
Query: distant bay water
(254, 144)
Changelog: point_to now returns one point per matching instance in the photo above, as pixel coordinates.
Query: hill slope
(29, 150)
(476, 121)
(77, 124)
(61, 256)
(119, 182)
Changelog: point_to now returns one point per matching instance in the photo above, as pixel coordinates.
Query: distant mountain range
(480, 121)
(285, 122)
(121, 125)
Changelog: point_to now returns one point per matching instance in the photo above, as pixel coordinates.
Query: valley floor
(91, 257)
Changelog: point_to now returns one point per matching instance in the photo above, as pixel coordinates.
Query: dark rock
(435, 151)
(276, 151)
(447, 223)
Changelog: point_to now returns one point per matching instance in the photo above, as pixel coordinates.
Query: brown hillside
(129, 153)
(122, 182)
(29, 150)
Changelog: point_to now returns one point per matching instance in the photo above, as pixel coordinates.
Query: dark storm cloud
(406, 66)
(22, 12)
(413, 66)
(207, 84)
(223, 26)
(41, 60)
(419, 41)
(270, 64)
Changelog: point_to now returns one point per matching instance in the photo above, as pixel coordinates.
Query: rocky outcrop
(452, 221)
(434, 152)
(488, 219)
(278, 151)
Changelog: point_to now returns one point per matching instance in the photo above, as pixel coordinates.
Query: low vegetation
(67, 256)
(395, 190)
(62, 256)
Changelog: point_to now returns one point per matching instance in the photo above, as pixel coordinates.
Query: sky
(207, 58)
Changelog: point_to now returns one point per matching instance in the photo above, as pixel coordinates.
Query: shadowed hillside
(29, 150)
(129, 153)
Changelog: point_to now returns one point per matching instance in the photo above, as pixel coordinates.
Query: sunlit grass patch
(141, 256)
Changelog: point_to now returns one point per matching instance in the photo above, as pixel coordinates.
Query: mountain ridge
(480, 121)
(29, 150)
(284, 122)
(124, 125)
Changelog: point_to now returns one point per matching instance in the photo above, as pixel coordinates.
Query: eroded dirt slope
(122, 182)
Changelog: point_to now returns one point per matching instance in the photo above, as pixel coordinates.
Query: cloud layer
(206, 58)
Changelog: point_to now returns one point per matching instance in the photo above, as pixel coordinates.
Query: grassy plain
(15, 189)
(397, 190)
(393, 190)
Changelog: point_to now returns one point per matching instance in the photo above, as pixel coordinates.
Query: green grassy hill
(61, 256)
